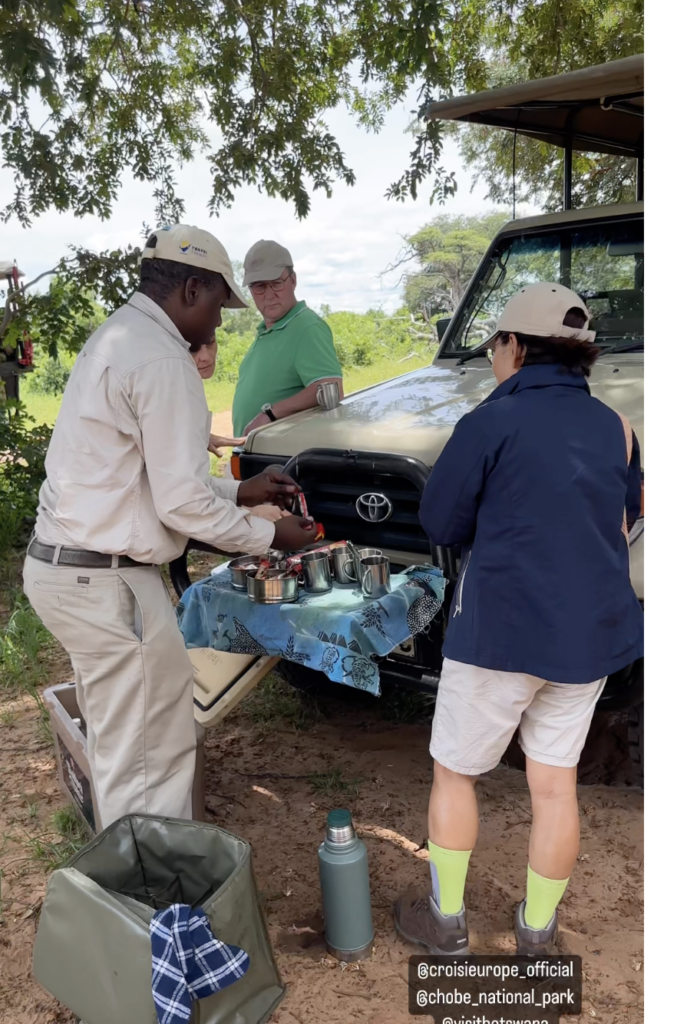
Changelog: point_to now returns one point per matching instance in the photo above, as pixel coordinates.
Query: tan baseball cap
(266, 261)
(540, 309)
(196, 248)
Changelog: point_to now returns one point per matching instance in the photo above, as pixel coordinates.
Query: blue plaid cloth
(188, 962)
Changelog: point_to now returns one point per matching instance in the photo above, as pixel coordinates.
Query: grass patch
(45, 408)
(334, 783)
(66, 837)
(21, 641)
(8, 718)
(273, 703)
(21, 669)
(401, 705)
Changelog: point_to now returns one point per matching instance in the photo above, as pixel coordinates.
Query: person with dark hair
(127, 483)
(538, 485)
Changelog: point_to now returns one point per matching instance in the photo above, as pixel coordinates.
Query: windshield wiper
(474, 353)
(611, 347)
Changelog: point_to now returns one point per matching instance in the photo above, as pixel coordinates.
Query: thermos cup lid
(339, 819)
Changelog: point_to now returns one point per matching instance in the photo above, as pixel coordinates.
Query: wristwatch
(268, 409)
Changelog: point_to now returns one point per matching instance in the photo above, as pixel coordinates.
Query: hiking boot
(418, 919)
(534, 940)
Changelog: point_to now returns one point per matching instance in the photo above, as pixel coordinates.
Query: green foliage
(551, 37)
(274, 705)
(234, 337)
(91, 88)
(362, 339)
(333, 783)
(65, 837)
(22, 468)
(598, 179)
(21, 641)
(85, 288)
(50, 379)
(447, 251)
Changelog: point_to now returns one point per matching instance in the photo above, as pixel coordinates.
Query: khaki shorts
(479, 709)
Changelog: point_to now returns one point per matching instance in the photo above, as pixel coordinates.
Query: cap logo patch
(194, 250)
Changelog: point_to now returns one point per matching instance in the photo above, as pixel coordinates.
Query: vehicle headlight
(636, 531)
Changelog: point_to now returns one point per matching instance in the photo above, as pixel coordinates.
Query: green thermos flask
(344, 880)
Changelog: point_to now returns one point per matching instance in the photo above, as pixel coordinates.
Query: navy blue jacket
(533, 484)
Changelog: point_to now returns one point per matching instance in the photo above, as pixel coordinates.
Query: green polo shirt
(284, 359)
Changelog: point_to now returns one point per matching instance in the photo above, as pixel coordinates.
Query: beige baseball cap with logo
(196, 248)
(266, 261)
(540, 309)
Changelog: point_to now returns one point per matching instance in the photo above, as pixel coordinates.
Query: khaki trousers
(134, 682)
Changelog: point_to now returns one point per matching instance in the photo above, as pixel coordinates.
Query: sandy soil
(382, 771)
(386, 768)
(222, 424)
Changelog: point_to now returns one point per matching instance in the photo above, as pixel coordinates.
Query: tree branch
(6, 319)
(45, 273)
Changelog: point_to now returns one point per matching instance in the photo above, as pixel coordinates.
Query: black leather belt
(84, 559)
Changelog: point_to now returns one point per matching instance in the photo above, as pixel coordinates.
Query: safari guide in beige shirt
(127, 484)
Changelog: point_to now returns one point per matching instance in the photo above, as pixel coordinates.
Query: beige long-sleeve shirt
(128, 466)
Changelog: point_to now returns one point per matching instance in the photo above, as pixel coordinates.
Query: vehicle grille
(333, 481)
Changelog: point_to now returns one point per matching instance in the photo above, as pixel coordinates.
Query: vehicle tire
(312, 683)
(636, 742)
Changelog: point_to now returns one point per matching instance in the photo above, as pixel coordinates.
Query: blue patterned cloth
(339, 633)
(188, 962)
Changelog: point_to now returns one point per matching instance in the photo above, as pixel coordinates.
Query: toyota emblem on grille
(375, 508)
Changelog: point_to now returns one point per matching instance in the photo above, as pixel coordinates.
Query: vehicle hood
(415, 414)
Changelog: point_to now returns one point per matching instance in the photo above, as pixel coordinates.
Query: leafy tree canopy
(441, 257)
(90, 88)
(598, 179)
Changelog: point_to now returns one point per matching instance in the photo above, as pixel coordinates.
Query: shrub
(50, 378)
(22, 469)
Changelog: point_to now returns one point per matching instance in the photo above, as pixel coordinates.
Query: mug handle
(350, 562)
(367, 588)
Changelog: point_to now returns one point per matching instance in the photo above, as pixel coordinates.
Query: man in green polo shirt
(293, 350)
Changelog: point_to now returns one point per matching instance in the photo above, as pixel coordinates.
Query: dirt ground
(276, 795)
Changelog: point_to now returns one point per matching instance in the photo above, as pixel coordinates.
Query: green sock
(543, 897)
(448, 869)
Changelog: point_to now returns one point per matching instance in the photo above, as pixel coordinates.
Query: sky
(340, 250)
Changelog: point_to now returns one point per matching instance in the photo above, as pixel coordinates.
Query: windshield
(603, 263)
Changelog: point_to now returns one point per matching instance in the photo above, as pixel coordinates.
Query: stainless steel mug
(316, 572)
(375, 576)
(328, 395)
(358, 568)
(343, 564)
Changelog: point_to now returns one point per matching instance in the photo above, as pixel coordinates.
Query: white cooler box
(223, 680)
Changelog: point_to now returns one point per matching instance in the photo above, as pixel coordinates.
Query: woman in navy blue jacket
(539, 485)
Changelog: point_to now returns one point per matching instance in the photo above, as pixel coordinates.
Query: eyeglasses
(259, 287)
(490, 355)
